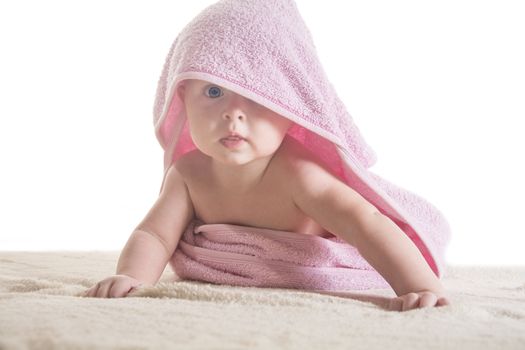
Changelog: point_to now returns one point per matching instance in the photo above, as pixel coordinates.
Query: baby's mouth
(232, 142)
(233, 136)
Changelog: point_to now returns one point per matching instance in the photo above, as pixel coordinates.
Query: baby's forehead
(196, 82)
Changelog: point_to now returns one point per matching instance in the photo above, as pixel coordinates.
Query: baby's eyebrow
(217, 85)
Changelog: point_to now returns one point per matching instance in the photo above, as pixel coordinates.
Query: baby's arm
(344, 212)
(153, 242)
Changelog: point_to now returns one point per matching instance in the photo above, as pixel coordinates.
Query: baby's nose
(235, 115)
(236, 108)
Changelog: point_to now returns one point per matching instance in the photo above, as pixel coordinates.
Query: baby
(239, 175)
(243, 88)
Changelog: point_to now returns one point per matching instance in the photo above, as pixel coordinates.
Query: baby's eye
(214, 91)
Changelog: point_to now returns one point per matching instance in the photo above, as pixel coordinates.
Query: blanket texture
(39, 310)
(263, 51)
(247, 256)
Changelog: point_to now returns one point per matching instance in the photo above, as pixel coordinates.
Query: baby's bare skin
(270, 181)
(269, 204)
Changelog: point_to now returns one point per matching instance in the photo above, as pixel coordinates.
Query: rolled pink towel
(249, 256)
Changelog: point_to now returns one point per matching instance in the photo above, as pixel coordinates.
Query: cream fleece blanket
(39, 310)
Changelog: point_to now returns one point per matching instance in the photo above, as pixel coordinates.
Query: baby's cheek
(271, 145)
(197, 141)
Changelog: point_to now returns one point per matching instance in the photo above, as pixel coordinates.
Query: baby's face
(214, 113)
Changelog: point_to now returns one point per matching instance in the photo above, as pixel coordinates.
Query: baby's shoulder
(297, 160)
(302, 170)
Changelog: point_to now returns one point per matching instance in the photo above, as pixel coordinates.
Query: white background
(436, 87)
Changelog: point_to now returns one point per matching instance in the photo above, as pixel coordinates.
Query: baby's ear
(181, 90)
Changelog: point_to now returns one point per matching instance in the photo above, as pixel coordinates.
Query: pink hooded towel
(263, 51)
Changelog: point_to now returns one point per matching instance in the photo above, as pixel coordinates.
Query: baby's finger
(92, 292)
(119, 290)
(395, 304)
(442, 301)
(103, 290)
(427, 300)
(134, 288)
(410, 301)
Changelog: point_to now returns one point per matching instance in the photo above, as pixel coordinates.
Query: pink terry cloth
(258, 257)
(264, 51)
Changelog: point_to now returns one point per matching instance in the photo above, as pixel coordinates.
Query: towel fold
(249, 256)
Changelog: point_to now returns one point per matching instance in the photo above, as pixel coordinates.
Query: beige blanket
(39, 310)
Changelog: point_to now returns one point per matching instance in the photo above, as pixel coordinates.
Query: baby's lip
(233, 135)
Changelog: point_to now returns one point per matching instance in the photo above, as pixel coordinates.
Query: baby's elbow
(366, 222)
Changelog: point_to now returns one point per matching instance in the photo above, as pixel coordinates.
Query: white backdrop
(436, 87)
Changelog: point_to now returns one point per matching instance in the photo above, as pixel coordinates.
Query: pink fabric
(264, 51)
(248, 256)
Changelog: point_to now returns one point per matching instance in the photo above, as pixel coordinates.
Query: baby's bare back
(268, 205)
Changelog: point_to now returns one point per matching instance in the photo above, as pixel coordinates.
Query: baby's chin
(238, 159)
(233, 160)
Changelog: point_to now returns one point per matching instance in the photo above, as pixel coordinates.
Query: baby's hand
(116, 286)
(422, 299)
